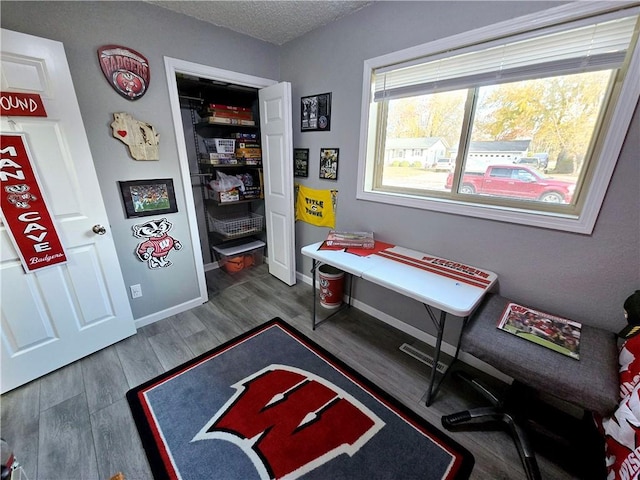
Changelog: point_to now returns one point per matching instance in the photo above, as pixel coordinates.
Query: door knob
(99, 229)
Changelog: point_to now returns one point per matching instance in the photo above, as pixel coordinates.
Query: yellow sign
(317, 207)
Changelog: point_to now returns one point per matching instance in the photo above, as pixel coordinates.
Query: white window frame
(584, 222)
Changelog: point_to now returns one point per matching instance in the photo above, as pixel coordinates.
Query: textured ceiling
(272, 21)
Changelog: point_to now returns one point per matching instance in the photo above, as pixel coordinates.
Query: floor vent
(421, 356)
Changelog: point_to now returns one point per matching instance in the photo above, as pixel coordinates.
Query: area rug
(272, 404)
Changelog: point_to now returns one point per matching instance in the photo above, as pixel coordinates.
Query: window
(546, 109)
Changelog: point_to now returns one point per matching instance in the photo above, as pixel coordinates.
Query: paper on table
(324, 246)
(364, 252)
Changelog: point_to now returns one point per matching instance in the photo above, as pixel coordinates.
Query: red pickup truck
(515, 181)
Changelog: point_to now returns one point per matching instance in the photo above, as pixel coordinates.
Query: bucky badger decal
(155, 249)
(19, 195)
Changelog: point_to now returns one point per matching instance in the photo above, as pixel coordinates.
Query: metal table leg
(439, 324)
(313, 284)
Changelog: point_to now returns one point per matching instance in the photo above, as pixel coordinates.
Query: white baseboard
(162, 314)
(419, 334)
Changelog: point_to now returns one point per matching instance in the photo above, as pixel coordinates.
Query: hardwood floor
(75, 423)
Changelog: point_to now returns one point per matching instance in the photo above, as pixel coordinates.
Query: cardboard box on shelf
(225, 196)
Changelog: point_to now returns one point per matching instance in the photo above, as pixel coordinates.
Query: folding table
(451, 287)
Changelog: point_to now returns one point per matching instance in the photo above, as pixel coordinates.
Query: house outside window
(417, 153)
(551, 102)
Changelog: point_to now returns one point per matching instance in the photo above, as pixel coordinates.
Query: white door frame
(173, 66)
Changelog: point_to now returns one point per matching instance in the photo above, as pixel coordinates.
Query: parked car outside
(444, 164)
(515, 181)
(543, 160)
(538, 160)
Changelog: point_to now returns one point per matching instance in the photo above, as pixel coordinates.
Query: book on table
(350, 239)
(556, 333)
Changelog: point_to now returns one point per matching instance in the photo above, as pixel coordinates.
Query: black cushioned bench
(590, 383)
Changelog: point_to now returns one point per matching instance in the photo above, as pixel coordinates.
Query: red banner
(24, 211)
(21, 105)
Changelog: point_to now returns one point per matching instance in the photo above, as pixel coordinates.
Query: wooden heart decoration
(140, 137)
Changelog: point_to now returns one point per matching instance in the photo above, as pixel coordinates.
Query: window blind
(575, 49)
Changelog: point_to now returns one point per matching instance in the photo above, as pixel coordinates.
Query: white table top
(350, 263)
(444, 284)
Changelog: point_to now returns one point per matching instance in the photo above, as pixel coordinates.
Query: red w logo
(289, 421)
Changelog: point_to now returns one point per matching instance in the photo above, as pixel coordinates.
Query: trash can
(331, 286)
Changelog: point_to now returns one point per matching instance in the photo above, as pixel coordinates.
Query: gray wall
(586, 277)
(154, 32)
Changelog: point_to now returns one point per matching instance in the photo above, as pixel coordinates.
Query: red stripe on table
(455, 275)
(445, 268)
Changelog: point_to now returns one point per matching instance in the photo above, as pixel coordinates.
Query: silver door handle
(99, 229)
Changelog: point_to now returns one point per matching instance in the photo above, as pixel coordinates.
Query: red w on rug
(298, 420)
(272, 404)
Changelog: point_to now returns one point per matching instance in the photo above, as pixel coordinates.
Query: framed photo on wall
(300, 162)
(148, 197)
(315, 113)
(329, 163)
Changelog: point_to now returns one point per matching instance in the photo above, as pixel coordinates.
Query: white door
(277, 157)
(59, 314)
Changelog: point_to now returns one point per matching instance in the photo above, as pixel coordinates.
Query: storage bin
(237, 225)
(236, 258)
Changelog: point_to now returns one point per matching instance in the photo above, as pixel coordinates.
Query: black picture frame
(315, 113)
(329, 163)
(300, 162)
(148, 197)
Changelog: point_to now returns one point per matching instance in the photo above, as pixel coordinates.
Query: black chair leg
(498, 412)
(525, 450)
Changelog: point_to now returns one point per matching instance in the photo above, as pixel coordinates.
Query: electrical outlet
(136, 291)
